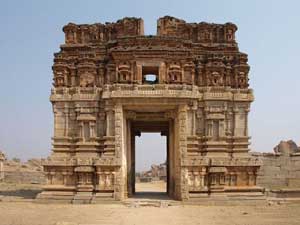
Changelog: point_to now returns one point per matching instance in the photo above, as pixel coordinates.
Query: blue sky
(31, 31)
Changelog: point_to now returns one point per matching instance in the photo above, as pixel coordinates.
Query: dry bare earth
(30, 213)
(155, 186)
(41, 214)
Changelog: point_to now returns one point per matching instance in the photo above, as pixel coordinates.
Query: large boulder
(286, 147)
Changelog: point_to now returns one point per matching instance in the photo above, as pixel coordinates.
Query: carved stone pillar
(81, 130)
(120, 153)
(194, 112)
(73, 76)
(101, 77)
(139, 75)
(203, 173)
(101, 124)
(197, 180)
(109, 123)
(247, 110)
(162, 73)
(92, 129)
(235, 119)
(66, 115)
(209, 129)
(111, 73)
(222, 128)
(182, 133)
(200, 122)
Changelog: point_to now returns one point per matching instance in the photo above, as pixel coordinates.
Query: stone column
(200, 122)
(139, 75)
(203, 173)
(194, 111)
(182, 151)
(247, 110)
(234, 117)
(66, 114)
(197, 180)
(81, 130)
(101, 79)
(109, 121)
(120, 153)
(162, 73)
(92, 129)
(73, 76)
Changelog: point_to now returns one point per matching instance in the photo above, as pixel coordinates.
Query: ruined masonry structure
(111, 82)
(2, 159)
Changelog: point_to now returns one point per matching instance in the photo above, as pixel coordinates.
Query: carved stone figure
(87, 80)
(242, 80)
(216, 79)
(174, 73)
(124, 72)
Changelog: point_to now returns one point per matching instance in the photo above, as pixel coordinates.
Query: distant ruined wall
(30, 172)
(280, 169)
(2, 158)
(24, 177)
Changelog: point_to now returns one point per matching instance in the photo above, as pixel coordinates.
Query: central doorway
(150, 164)
(138, 186)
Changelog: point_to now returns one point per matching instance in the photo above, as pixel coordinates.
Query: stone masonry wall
(280, 169)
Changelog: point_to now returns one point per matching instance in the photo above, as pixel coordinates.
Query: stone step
(83, 198)
(137, 204)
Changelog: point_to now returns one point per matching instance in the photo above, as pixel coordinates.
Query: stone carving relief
(106, 180)
(87, 79)
(189, 72)
(229, 35)
(242, 80)
(124, 72)
(229, 32)
(215, 79)
(217, 179)
(60, 75)
(84, 178)
(205, 35)
(197, 179)
(215, 71)
(174, 73)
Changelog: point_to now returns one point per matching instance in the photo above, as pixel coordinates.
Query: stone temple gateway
(111, 82)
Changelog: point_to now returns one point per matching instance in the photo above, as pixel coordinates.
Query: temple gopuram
(188, 82)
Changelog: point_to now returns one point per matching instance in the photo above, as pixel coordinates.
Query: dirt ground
(154, 186)
(28, 212)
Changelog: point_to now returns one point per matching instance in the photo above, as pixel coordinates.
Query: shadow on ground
(25, 191)
(151, 195)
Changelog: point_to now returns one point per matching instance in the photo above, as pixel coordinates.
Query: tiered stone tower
(111, 82)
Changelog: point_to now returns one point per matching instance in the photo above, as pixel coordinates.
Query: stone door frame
(173, 112)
